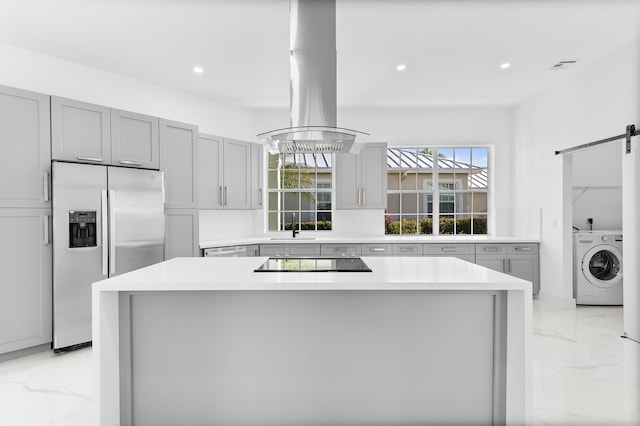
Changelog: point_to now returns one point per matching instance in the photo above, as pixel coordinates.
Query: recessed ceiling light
(198, 70)
(505, 65)
(401, 67)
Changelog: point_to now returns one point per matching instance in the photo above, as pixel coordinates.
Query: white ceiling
(452, 48)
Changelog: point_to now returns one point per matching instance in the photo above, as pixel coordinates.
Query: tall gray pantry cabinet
(179, 162)
(25, 220)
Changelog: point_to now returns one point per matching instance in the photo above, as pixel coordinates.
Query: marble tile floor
(583, 374)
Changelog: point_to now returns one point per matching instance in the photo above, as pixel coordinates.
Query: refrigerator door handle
(112, 232)
(105, 227)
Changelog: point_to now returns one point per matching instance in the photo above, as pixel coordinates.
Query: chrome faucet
(293, 225)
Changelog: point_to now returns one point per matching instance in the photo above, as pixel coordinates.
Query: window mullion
(436, 194)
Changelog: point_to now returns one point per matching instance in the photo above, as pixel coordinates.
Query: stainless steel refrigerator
(106, 221)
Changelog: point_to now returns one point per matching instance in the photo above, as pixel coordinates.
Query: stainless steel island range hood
(313, 85)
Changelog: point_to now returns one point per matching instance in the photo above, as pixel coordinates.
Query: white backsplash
(230, 224)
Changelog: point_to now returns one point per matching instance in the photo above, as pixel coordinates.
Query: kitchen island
(196, 341)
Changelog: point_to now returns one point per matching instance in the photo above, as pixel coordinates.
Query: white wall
(594, 103)
(39, 73)
(427, 126)
(597, 187)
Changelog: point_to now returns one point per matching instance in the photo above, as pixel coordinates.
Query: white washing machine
(597, 275)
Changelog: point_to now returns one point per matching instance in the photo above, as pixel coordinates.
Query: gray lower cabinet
(461, 251)
(519, 260)
(274, 250)
(25, 149)
(26, 285)
(304, 249)
(182, 236)
(341, 249)
(80, 131)
(179, 162)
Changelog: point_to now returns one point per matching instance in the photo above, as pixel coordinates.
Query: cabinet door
(373, 175)
(210, 171)
(236, 189)
(257, 175)
(25, 288)
(134, 140)
(525, 267)
(304, 249)
(497, 262)
(25, 149)
(179, 161)
(347, 182)
(274, 249)
(341, 249)
(182, 237)
(80, 131)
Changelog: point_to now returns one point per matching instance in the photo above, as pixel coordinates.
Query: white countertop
(305, 238)
(388, 273)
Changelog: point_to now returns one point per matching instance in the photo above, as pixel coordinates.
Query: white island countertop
(388, 273)
(418, 340)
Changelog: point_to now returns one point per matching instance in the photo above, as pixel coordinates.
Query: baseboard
(557, 302)
(24, 352)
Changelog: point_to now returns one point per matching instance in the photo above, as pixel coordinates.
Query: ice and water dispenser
(82, 229)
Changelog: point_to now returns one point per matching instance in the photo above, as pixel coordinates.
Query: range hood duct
(313, 85)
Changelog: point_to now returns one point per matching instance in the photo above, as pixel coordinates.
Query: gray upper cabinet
(209, 171)
(26, 290)
(237, 179)
(25, 149)
(134, 140)
(257, 175)
(179, 161)
(361, 180)
(224, 173)
(80, 131)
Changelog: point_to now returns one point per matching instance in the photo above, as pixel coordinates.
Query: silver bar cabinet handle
(130, 163)
(94, 159)
(105, 230)
(225, 195)
(364, 197)
(260, 199)
(220, 195)
(359, 198)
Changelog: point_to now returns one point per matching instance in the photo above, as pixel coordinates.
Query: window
(300, 185)
(447, 187)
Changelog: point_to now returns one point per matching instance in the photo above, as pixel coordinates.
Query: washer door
(602, 266)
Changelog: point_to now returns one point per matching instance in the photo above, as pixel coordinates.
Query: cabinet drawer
(376, 250)
(522, 248)
(491, 249)
(407, 250)
(274, 249)
(447, 249)
(340, 249)
(304, 249)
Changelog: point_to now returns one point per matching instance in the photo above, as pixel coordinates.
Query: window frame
(435, 193)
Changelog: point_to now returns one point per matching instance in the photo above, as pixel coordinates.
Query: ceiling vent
(560, 65)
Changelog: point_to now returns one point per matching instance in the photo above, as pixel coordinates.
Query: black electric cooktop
(315, 264)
